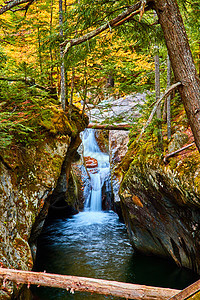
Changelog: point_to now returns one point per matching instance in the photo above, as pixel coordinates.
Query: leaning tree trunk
(181, 61)
(62, 66)
(168, 99)
(157, 90)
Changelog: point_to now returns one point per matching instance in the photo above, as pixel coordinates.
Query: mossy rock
(179, 139)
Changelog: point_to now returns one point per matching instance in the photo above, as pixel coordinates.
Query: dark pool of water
(96, 244)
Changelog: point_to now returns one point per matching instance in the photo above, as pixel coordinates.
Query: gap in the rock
(94, 243)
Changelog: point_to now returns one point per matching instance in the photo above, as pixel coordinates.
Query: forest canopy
(117, 62)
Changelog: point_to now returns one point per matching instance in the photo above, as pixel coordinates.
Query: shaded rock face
(66, 198)
(30, 180)
(25, 184)
(161, 209)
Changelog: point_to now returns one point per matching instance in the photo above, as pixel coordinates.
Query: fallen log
(109, 126)
(91, 285)
(191, 290)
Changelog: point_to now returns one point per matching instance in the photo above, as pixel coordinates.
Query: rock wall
(28, 177)
(161, 204)
(118, 146)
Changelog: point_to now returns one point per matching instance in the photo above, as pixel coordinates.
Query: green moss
(143, 167)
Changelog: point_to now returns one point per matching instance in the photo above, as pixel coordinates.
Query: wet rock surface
(24, 191)
(161, 208)
(90, 162)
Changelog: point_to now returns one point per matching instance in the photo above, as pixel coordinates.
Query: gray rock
(121, 110)
(179, 139)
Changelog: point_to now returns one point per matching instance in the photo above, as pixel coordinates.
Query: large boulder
(161, 204)
(116, 110)
(28, 178)
(24, 190)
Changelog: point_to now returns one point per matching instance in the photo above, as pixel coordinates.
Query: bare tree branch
(142, 9)
(114, 22)
(30, 82)
(15, 3)
(169, 90)
(165, 159)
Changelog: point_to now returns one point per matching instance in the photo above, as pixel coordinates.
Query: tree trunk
(168, 99)
(72, 92)
(178, 49)
(50, 46)
(62, 67)
(199, 59)
(157, 81)
(90, 285)
(85, 85)
(157, 90)
(39, 51)
(181, 61)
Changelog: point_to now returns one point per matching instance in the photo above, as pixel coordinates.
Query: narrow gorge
(94, 243)
(104, 208)
(99, 148)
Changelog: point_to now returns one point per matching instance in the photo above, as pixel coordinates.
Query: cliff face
(161, 204)
(28, 176)
(118, 141)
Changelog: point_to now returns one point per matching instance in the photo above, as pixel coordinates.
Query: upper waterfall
(98, 172)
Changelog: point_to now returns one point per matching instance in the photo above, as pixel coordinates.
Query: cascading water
(99, 174)
(95, 202)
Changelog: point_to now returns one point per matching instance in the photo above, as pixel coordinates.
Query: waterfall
(99, 173)
(95, 198)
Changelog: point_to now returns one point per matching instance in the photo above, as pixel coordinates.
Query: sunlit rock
(116, 110)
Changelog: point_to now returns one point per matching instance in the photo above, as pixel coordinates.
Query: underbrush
(27, 114)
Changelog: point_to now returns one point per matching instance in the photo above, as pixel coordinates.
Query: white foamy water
(102, 172)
